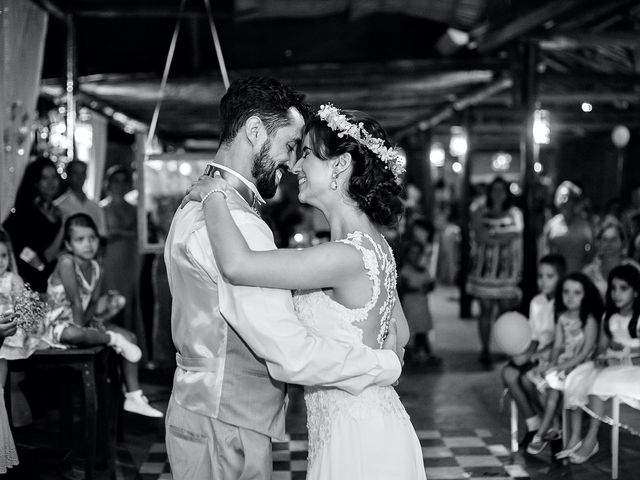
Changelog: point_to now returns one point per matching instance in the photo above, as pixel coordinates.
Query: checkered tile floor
(464, 454)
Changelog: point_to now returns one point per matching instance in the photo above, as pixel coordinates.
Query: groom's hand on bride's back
(391, 342)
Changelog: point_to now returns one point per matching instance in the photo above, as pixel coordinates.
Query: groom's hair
(263, 97)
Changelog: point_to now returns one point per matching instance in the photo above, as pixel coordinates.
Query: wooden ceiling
(390, 58)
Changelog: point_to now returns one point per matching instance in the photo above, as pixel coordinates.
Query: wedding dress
(368, 436)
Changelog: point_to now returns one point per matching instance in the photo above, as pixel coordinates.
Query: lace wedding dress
(368, 436)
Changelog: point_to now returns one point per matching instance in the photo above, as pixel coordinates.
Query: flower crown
(338, 122)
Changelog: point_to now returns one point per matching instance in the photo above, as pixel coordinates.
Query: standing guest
(414, 285)
(568, 233)
(521, 375)
(496, 258)
(634, 248)
(631, 215)
(121, 258)
(34, 223)
(610, 252)
(578, 309)
(74, 200)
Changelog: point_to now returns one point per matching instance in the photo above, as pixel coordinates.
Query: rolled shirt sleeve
(266, 320)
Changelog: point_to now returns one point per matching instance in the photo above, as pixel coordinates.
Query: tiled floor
(449, 454)
(455, 409)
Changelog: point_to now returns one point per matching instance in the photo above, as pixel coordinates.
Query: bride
(346, 288)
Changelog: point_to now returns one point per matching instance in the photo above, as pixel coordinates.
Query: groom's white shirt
(214, 376)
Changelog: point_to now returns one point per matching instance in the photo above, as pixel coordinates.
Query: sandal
(579, 459)
(551, 435)
(568, 451)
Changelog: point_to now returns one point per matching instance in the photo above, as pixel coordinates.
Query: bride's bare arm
(322, 266)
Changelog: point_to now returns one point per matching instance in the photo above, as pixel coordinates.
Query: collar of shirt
(247, 183)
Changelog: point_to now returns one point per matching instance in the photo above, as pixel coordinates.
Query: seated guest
(523, 373)
(79, 315)
(578, 309)
(34, 223)
(612, 373)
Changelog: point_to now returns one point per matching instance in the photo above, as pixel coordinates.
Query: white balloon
(512, 333)
(620, 136)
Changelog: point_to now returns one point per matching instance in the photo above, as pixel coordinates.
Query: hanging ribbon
(167, 66)
(165, 76)
(216, 42)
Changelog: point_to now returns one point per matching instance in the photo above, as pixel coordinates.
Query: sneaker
(136, 402)
(129, 350)
(537, 445)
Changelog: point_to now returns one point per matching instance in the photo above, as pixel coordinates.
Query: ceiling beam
(53, 10)
(581, 39)
(522, 23)
(427, 122)
(128, 12)
(597, 11)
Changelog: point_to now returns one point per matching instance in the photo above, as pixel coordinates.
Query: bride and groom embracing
(239, 333)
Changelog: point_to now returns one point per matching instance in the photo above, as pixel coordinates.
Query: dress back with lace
(327, 318)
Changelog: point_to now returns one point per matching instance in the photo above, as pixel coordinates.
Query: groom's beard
(264, 170)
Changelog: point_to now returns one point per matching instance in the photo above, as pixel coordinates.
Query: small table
(99, 398)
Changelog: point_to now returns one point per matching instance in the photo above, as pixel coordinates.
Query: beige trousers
(205, 448)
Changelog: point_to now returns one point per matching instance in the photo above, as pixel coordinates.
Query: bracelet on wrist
(211, 192)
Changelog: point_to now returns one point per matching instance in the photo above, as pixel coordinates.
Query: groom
(238, 345)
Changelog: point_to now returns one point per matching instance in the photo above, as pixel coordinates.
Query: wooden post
(71, 86)
(465, 223)
(529, 156)
(417, 148)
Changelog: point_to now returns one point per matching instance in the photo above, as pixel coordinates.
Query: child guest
(521, 375)
(80, 316)
(578, 308)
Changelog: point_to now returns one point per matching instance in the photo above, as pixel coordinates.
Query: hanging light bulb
(458, 144)
(541, 127)
(437, 154)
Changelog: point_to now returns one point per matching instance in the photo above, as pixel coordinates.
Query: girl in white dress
(347, 288)
(612, 373)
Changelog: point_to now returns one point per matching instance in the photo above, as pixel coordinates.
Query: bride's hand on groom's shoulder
(203, 186)
(391, 342)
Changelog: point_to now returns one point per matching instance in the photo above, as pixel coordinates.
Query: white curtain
(23, 27)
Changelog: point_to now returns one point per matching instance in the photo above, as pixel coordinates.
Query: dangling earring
(334, 181)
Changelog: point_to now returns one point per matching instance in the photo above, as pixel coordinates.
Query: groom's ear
(255, 130)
